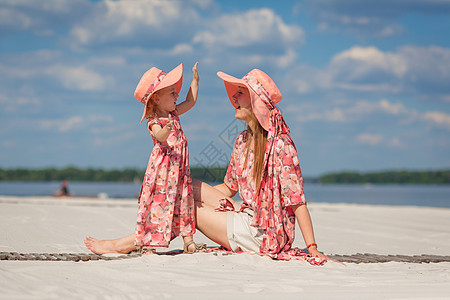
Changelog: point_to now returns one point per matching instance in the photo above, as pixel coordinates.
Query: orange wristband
(310, 245)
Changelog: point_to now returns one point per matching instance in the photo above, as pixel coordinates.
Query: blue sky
(365, 84)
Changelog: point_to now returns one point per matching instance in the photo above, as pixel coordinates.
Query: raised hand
(195, 73)
(191, 97)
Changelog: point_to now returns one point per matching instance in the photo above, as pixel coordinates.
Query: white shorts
(241, 235)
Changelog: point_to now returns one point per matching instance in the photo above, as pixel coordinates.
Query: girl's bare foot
(123, 245)
(102, 246)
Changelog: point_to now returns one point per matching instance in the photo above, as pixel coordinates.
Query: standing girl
(166, 203)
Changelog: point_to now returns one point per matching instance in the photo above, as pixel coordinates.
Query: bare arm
(304, 222)
(162, 133)
(191, 97)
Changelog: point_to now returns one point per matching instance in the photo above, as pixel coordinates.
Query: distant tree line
(400, 177)
(71, 174)
(217, 174)
(90, 174)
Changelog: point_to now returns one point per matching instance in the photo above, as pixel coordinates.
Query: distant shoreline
(217, 174)
(386, 177)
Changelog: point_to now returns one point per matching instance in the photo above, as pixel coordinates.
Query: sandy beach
(59, 225)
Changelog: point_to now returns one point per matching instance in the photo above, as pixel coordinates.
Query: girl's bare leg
(123, 245)
(211, 223)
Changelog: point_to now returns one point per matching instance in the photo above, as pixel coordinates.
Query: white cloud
(100, 118)
(371, 139)
(378, 140)
(390, 30)
(32, 79)
(371, 17)
(73, 123)
(203, 4)
(287, 59)
(70, 124)
(302, 86)
(437, 118)
(25, 66)
(40, 17)
(362, 108)
(364, 61)
(422, 72)
(392, 108)
(336, 115)
(11, 21)
(429, 70)
(357, 111)
(155, 23)
(396, 143)
(78, 78)
(102, 140)
(254, 27)
(351, 112)
(181, 49)
(245, 40)
(16, 103)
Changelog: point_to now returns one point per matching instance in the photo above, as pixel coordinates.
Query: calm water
(112, 189)
(419, 195)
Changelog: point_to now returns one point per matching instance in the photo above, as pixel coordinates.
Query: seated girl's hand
(320, 257)
(225, 205)
(315, 253)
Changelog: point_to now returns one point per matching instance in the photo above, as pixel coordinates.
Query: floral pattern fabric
(286, 182)
(166, 203)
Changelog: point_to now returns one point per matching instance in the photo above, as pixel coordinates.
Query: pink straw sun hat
(258, 83)
(154, 80)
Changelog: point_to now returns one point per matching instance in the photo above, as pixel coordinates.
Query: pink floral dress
(166, 203)
(287, 189)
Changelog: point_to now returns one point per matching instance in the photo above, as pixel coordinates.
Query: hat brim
(231, 85)
(173, 77)
(259, 108)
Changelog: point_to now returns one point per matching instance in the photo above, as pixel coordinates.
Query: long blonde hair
(259, 149)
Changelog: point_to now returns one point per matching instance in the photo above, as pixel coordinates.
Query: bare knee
(213, 225)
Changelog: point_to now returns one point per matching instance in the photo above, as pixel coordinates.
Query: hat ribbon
(276, 120)
(259, 89)
(153, 86)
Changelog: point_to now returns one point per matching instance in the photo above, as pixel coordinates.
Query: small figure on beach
(166, 201)
(265, 170)
(63, 190)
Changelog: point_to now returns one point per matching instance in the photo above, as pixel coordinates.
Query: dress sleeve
(231, 179)
(290, 174)
(152, 122)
